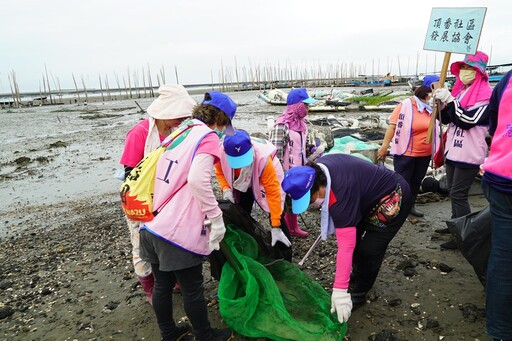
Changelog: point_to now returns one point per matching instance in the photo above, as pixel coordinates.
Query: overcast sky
(92, 37)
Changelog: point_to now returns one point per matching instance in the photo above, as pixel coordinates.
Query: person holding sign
(464, 110)
(407, 133)
(497, 187)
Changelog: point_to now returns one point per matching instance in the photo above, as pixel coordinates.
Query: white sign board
(455, 30)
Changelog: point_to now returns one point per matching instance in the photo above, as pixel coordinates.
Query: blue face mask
(220, 133)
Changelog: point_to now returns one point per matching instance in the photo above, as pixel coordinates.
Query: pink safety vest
(499, 160)
(400, 142)
(262, 151)
(181, 221)
(469, 145)
(295, 151)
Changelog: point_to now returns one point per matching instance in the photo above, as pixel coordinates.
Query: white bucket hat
(173, 102)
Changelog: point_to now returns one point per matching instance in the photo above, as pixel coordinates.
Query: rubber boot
(295, 230)
(148, 283)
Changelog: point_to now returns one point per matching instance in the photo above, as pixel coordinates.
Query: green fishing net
(272, 298)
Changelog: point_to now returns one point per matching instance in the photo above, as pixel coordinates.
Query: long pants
(499, 267)
(459, 182)
(412, 169)
(142, 268)
(191, 280)
(372, 243)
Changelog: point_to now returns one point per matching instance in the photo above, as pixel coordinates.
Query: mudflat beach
(66, 271)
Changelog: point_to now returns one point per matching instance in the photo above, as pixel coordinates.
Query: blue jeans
(499, 268)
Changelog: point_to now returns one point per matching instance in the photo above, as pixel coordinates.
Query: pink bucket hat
(478, 61)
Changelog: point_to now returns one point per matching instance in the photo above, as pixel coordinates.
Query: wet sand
(67, 274)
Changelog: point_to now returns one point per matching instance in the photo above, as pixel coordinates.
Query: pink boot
(291, 221)
(148, 283)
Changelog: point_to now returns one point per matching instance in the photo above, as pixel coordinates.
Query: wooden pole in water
(211, 76)
(176, 74)
(85, 90)
(11, 85)
(150, 82)
(236, 75)
(40, 94)
(48, 81)
(108, 88)
(60, 90)
(76, 87)
(442, 78)
(118, 84)
(129, 81)
(101, 88)
(143, 74)
(162, 75)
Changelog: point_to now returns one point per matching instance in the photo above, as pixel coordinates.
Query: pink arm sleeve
(346, 238)
(199, 179)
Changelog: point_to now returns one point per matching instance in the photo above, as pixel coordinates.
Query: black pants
(412, 169)
(191, 282)
(372, 243)
(459, 183)
(247, 202)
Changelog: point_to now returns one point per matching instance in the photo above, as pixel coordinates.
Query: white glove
(444, 95)
(217, 231)
(279, 236)
(341, 303)
(228, 195)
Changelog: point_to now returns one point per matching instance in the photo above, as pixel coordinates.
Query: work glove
(227, 194)
(217, 230)
(341, 302)
(443, 95)
(279, 236)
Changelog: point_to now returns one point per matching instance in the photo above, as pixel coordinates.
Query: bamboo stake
(108, 88)
(101, 88)
(150, 83)
(40, 95)
(48, 81)
(14, 99)
(444, 70)
(76, 87)
(176, 73)
(85, 90)
(129, 81)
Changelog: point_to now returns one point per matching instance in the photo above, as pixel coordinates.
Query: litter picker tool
(310, 250)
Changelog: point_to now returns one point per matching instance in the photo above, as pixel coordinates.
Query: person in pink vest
(407, 134)
(467, 118)
(248, 171)
(497, 187)
(289, 135)
(188, 225)
(364, 205)
(166, 113)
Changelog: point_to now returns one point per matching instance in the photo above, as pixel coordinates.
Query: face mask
(219, 133)
(318, 203)
(467, 76)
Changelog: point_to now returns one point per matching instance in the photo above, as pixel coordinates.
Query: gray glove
(279, 236)
(341, 302)
(228, 195)
(217, 231)
(443, 95)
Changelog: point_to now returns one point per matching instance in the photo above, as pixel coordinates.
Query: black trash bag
(235, 215)
(472, 234)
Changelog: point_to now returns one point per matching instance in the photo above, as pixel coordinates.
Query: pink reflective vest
(295, 151)
(181, 221)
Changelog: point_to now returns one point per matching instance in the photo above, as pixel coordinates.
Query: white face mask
(317, 203)
(467, 76)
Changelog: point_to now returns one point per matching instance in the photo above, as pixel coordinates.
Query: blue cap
(297, 184)
(299, 95)
(238, 148)
(429, 79)
(223, 103)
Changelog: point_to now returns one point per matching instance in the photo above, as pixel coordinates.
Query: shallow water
(54, 154)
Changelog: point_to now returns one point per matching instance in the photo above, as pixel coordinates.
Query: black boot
(443, 231)
(179, 333)
(215, 334)
(416, 213)
(451, 245)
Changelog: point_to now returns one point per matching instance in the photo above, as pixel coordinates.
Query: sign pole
(442, 78)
